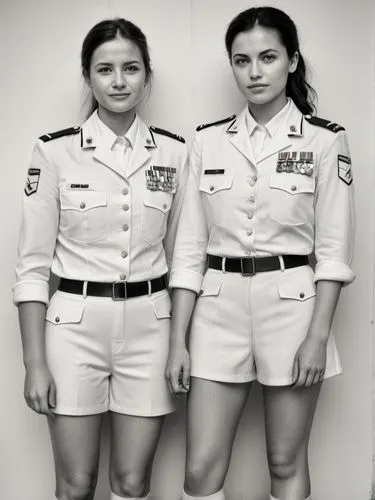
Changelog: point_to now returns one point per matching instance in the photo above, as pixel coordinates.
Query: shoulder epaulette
(219, 122)
(59, 133)
(161, 131)
(320, 122)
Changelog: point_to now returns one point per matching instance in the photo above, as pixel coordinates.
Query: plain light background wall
(41, 92)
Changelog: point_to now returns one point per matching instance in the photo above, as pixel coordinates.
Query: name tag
(216, 171)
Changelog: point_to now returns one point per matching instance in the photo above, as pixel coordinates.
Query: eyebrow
(264, 52)
(102, 63)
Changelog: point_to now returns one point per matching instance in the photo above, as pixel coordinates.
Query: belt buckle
(252, 271)
(114, 297)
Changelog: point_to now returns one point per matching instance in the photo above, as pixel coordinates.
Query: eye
(132, 68)
(269, 58)
(104, 70)
(240, 61)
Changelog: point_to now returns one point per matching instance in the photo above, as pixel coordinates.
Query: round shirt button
(82, 204)
(165, 206)
(250, 215)
(125, 227)
(293, 188)
(249, 232)
(125, 191)
(302, 295)
(252, 199)
(125, 207)
(212, 188)
(57, 319)
(122, 276)
(255, 178)
(124, 254)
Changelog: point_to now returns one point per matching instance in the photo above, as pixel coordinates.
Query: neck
(119, 123)
(263, 113)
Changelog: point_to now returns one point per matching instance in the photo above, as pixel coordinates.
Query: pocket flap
(292, 183)
(63, 311)
(160, 200)
(82, 201)
(162, 307)
(297, 287)
(211, 183)
(210, 289)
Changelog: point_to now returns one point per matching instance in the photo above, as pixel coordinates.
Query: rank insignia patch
(344, 166)
(161, 179)
(297, 162)
(32, 181)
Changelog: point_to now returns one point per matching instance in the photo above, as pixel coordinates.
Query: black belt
(118, 290)
(248, 266)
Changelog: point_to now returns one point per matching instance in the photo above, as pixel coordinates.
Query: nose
(255, 71)
(118, 80)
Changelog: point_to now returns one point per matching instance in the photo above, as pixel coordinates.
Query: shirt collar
(109, 137)
(273, 125)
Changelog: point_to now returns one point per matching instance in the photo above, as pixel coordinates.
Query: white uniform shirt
(88, 216)
(238, 206)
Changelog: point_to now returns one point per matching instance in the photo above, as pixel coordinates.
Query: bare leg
(133, 446)
(76, 448)
(213, 414)
(288, 416)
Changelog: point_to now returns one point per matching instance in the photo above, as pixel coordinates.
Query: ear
(87, 79)
(293, 62)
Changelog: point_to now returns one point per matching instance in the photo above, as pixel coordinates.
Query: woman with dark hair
(266, 188)
(100, 209)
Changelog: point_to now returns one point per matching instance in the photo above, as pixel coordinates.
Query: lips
(259, 86)
(119, 95)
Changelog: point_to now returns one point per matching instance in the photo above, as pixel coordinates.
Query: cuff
(31, 291)
(186, 279)
(333, 270)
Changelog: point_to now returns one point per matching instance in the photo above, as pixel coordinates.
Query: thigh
(214, 409)
(288, 418)
(133, 442)
(76, 445)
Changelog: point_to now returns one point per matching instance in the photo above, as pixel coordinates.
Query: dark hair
(297, 88)
(105, 31)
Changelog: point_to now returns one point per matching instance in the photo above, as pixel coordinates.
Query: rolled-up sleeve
(189, 255)
(334, 214)
(39, 227)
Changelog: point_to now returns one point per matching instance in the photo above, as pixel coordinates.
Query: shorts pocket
(83, 215)
(162, 306)
(291, 198)
(62, 311)
(297, 285)
(155, 213)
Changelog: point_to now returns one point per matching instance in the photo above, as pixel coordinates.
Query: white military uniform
(96, 210)
(293, 196)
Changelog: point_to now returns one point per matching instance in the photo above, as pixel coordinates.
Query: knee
(77, 487)
(282, 465)
(129, 484)
(200, 472)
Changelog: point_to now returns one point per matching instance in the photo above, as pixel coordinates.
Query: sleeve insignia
(32, 181)
(219, 122)
(167, 133)
(59, 133)
(344, 169)
(320, 122)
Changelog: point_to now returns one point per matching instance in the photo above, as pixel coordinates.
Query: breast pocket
(215, 191)
(84, 215)
(291, 198)
(155, 211)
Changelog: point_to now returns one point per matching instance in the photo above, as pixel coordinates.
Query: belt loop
(149, 287)
(84, 290)
(282, 264)
(223, 261)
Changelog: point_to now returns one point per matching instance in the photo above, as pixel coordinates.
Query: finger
(186, 377)
(34, 404)
(181, 384)
(175, 382)
(43, 405)
(295, 371)
(52, 396)
(300, 382)
(321, 376)
(316, 377)
(310, 378)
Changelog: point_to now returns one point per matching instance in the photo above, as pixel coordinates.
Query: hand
(177, 371)
(309, 362)
(40, 389)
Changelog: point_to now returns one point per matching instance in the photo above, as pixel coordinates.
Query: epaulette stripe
(321, 122)
(161, 131)
(219, 122)
(60, 133)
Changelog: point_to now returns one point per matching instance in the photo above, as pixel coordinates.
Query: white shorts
(247, 328)
(109, 355)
